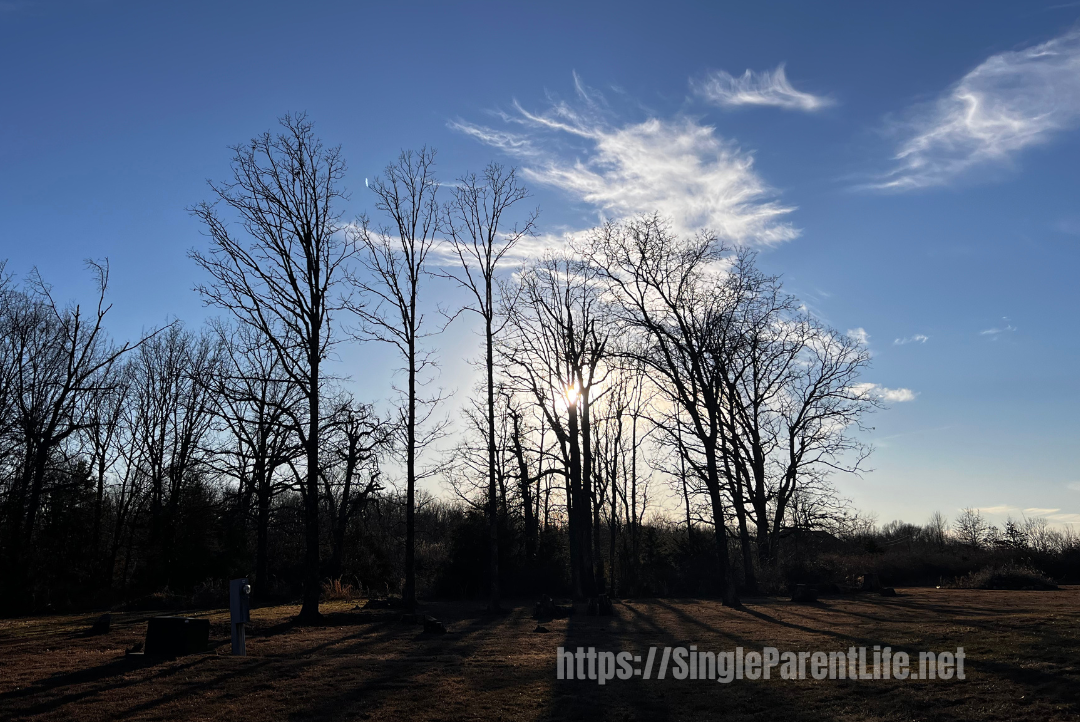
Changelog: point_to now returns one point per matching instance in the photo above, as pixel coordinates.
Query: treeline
(965, 551)
(654, 414)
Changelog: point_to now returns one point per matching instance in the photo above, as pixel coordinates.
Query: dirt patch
(1021, 651)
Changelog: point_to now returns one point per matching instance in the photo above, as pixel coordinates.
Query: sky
(908, 168)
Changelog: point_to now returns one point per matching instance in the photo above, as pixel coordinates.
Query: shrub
(335, 590)
(211, 594)
(1009, 576)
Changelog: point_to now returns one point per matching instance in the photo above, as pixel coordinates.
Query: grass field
(1023, 662)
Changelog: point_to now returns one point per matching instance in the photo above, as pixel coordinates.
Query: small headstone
(434, 626)
(888, 592)
(546, 609)
(600, 606)
(870, 583)
(101, 626)
(379, 604)
(805, 594)
(176, 636)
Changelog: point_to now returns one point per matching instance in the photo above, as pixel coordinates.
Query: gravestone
(176, 636)
(546, 609)
(600, 606)
(805, 594)
(101, 626)
(433, 626)
(870, 582)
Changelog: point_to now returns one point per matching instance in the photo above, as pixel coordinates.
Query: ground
(1022, 647)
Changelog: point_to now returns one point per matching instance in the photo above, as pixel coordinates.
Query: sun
(571, 394)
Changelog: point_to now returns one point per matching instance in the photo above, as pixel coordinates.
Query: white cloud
(1011, 101)
(1001, 509)
(897, 395)
(676, 167)
(1036, 511)
(859, 334)
(917, 338)
(883, 393)
(1074, 486)
(753, 88)
(1065, 518)
(995, 332)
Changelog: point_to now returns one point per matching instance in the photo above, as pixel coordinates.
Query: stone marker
(176, 636)
(870, 583)
(546, 609)
(600, 606)
(101, 626)
(805, 593)
(434, 626)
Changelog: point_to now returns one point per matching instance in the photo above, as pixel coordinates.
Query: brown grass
(1023, 663)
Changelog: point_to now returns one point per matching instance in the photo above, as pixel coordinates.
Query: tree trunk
(309, 612)
(727, 589)
(493, 499)
(409, 595)
(262, 528)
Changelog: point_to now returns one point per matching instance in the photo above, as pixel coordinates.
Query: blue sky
(909, 168)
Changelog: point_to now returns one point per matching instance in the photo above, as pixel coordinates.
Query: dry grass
(1023, 650)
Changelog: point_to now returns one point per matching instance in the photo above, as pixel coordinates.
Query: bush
(337, 591)
(211, 594)
(1009, 576)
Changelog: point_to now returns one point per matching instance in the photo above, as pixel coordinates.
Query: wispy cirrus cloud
(917, 338)
(996, 331)
(1065, 518)
(1000, 509)
(883, 393)
(675, 166)
(766, 88)
(1010, 102)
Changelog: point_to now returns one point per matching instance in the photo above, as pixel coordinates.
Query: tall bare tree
(668, 291)
(60, 366)
(474, 222)
(554, 353)
(173, 413)
(396, 263)
(257, 406)
(283, 274)
(355, 440)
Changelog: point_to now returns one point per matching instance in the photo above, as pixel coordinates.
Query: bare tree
(820, 403)
(355, 440)
(474, 222)
(173, 417)
(257, 406)
(106, 415)
(937, 529)
(396, 262)
(283, 279)
(971, 527)
(669, 293)
(60, 364)
(555, 354)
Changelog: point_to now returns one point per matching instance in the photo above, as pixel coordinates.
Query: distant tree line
(632, 366)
